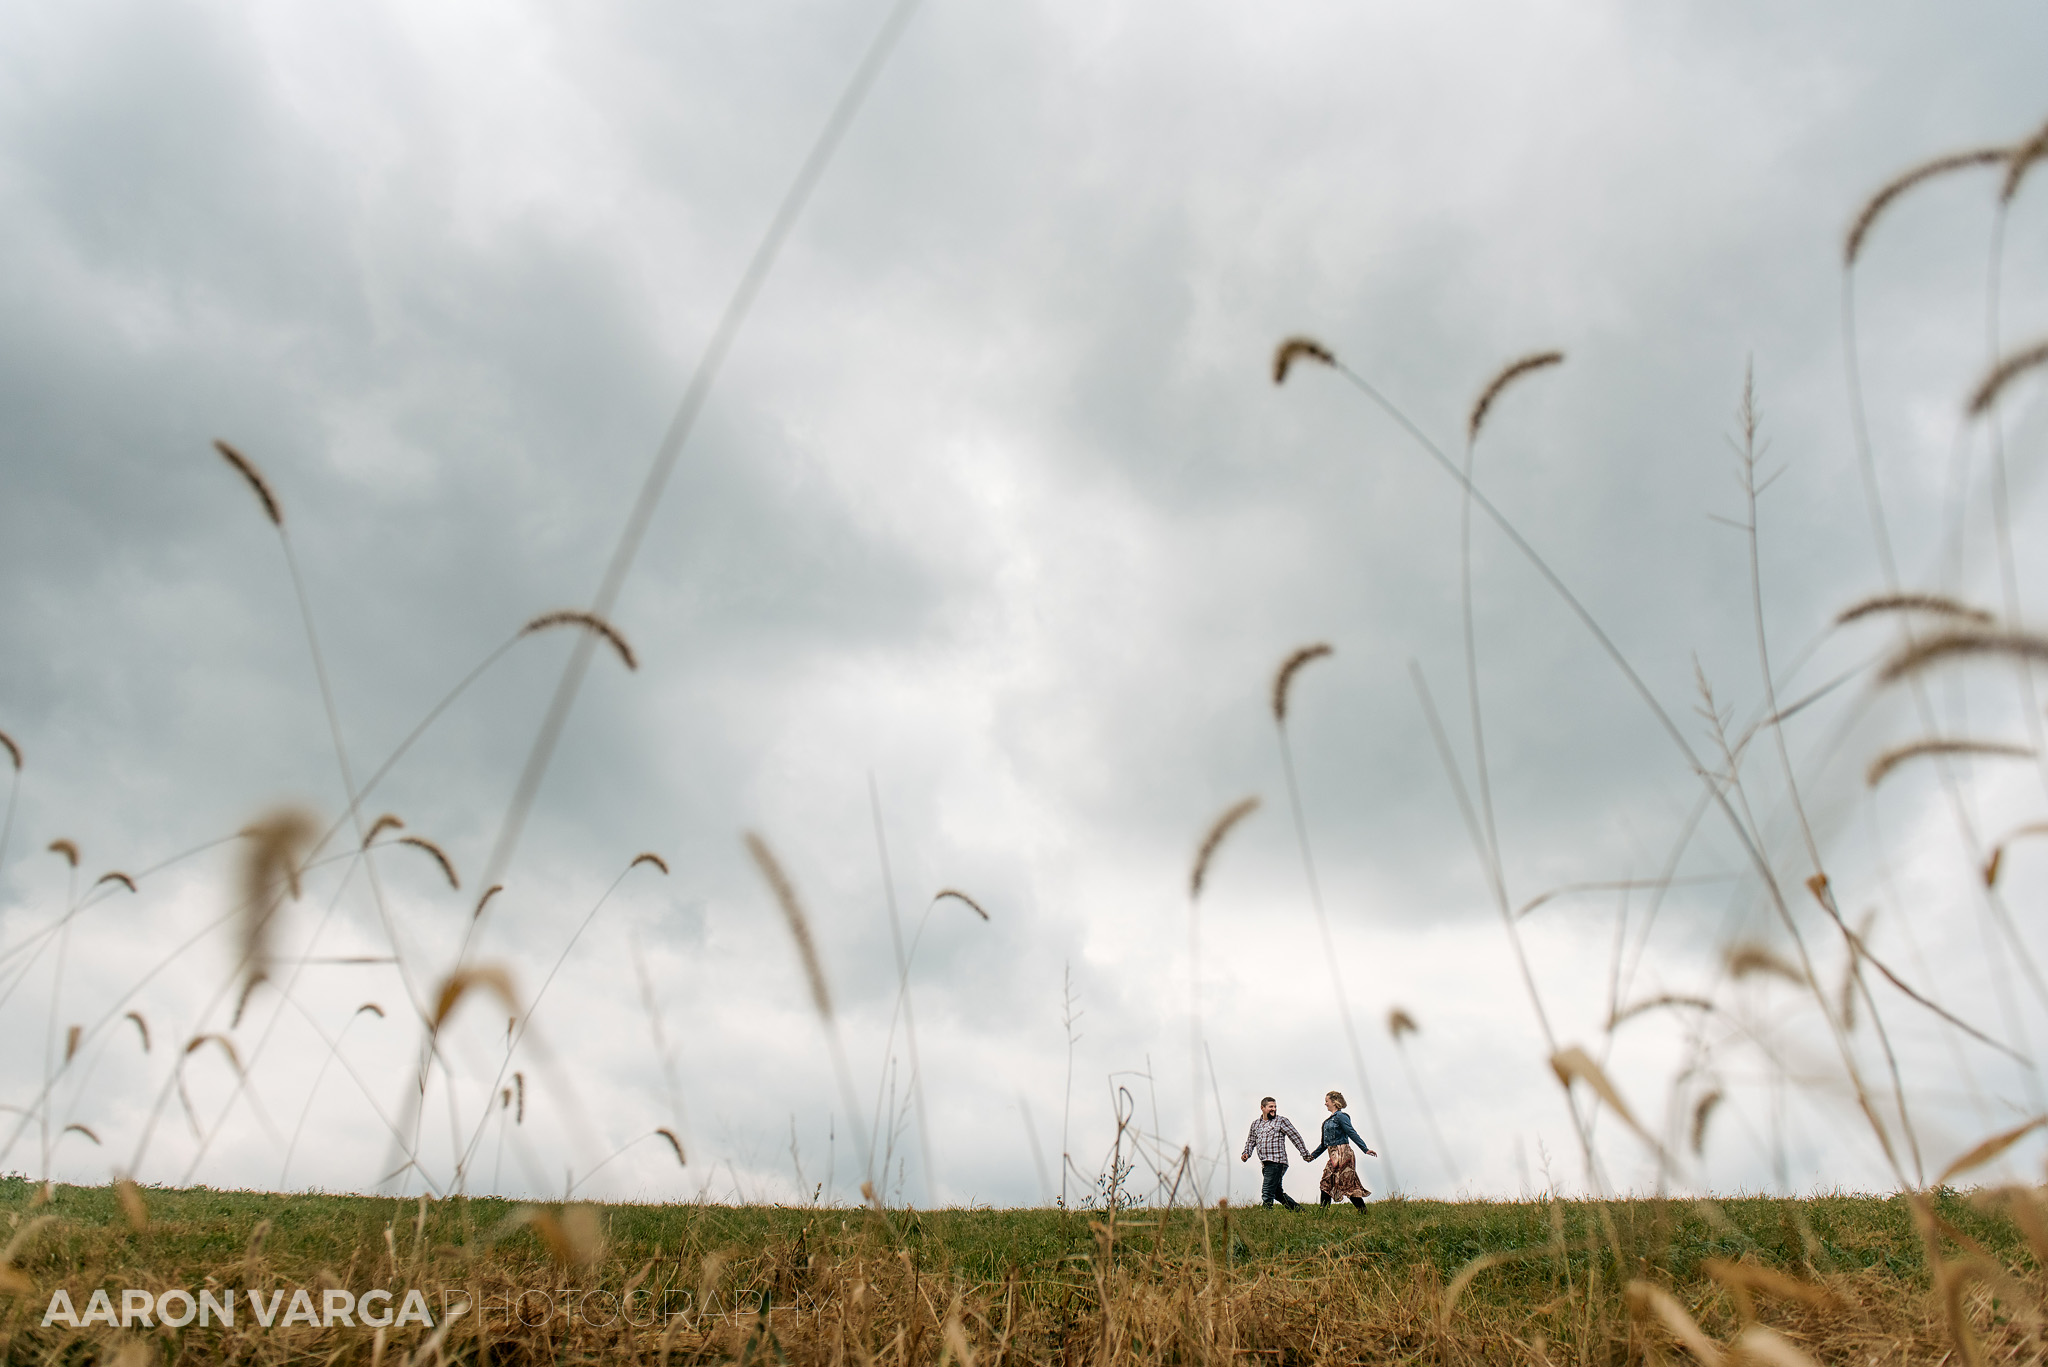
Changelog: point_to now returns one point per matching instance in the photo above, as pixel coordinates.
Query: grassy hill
(1844, 1277)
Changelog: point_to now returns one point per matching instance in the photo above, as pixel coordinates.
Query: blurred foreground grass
(1544, 1281)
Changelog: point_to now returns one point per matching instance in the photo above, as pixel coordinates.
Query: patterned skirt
(1340, 1174)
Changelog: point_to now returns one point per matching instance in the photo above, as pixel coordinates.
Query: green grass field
(1035, 1285)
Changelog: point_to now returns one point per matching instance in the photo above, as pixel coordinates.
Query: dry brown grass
(247, 469)
(1921, 749)
(1214, 841)
(1512, 371)
(1852, 245)
(1934, 603)
(859, 1289)
(2004, 373)
(590, 622)
(1289, 667)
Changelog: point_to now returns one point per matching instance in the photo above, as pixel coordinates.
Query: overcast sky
(995, 505)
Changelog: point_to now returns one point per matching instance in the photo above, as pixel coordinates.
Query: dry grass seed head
(371, 1007)
(2020, 161)
(1771, 1348)
(86, 1130)
(2004, 373)
(1743, 1278)
(1991, 865)
(649, 857)
(269, 873)
(1751, 958)
(1574, 1064)
(420, 842)
(1934, 603)
(1400, 1023)
(1514, 370)
(1214, 840)
(248, 471)
(386, 822)
(13, 750)
(1935, 649)
(1289, 667)
(589, 621)
(132, 1204)
(67, 849)
(115, 876)
(574, 1237)
(1703, 1111)
(492, 891)
(1647, 1300)
(142, 1026)
(1893, 758)
(793, 915)
(1988, 1149)
(1852, 246)
(962, 898)
(670, 1135)
(1663, 1001)
(1299, 349)
(493, 978)
(72, 1035)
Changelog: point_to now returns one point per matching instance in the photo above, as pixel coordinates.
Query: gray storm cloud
(995, 502)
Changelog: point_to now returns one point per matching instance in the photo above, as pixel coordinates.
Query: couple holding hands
(1270, 1134)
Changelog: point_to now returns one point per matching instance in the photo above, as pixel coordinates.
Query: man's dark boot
(1358, 1201)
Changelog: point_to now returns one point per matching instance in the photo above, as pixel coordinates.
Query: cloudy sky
(994, 513)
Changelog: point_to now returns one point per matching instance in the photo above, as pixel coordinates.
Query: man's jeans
(1273, 1191)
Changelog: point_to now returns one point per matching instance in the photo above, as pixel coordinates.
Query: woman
(1340, 1174)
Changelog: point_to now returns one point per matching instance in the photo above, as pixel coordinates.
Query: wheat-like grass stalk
(1299, 349)
(963, 899)
(1748, 959)
(1991, 865)
(114, 876)
(1702, 1112)
(1574, 1064)
(13, 750)
(247, 469)
(1283, 680)
(2004, 373)
(387, 822)
(794, 918)
(492, 891)
(670, 1135)
(1663, 1001)
(1893, 758)
(2020, 161)
(1400, 1023)
(2018, 645)
(67, 849)
(277, 843)
(73, 1036)
(420, 842)
(132, 1205)
(1512, 371)
(1212, 841)
(589, 621)
(1933, 603)
(1986, 1150)
(1852, 246)
(821, 996)
(649, 857)
(494, 978)
(1647, 1300)
(141, 1026)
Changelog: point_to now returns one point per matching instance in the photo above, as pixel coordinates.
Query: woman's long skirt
(1340, 1174)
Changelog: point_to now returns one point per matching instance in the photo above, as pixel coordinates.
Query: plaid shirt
(1270, 1138)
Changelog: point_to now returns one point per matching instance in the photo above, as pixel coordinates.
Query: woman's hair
(1337, 1097)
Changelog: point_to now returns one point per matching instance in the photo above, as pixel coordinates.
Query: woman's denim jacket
(1338, 1130)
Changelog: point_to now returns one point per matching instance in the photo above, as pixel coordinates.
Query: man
(1269, 1135)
